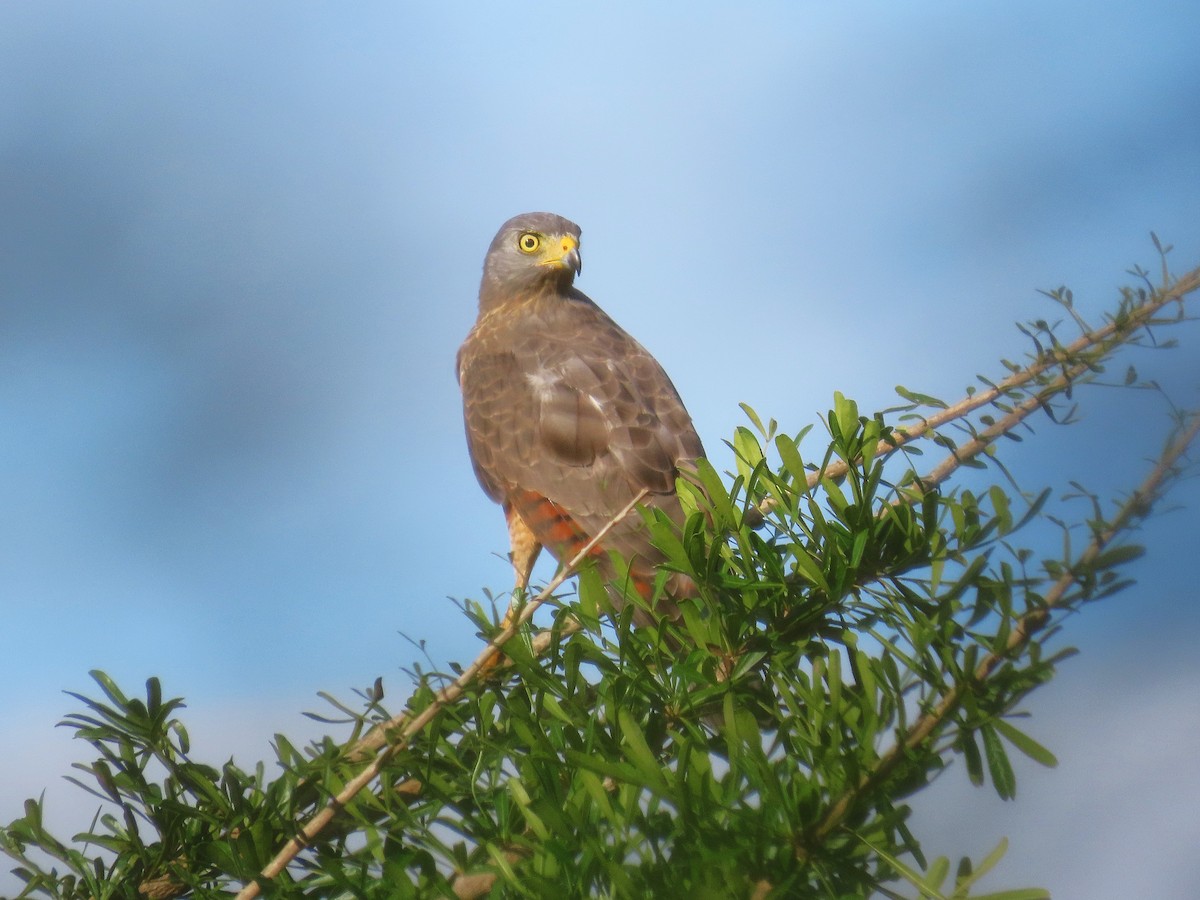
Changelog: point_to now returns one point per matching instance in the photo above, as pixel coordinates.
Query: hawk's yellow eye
(528, 242)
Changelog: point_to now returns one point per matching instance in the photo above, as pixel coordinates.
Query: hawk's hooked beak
(565, 255)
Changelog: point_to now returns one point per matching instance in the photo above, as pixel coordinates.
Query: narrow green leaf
(181, 735)
(935, 876)
(999, 766)
(517, 791)
(833, 679)
(748, 452)
(845, 412)
(499, 858)
(1117, 556)
(153, 695)
(971, 756)
(595, 790)
(552, 706)
(856, 552)
(789, 453)
(986, 864)
(1026, 744)
(715, 488)
(808, 569)
(609, 768)
(923, 399)
(906, 872)
(109, 687)
(640, 755)
(753, 417)
(1000, 505)
(733, 743)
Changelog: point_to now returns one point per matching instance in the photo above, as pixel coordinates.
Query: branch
(378, 735)
(1136, 506)
(1073, 360)
(1001, 427)
(408, 726)
(1114, 333)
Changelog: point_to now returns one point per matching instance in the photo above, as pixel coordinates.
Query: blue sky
(240, 246)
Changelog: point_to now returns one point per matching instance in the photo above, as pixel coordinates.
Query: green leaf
(609, 768)
(971, 756)
(845, 412)
(639, 753)
(153, 695)
(923, 399)
(808, 569)
(860, 544)
(907, 872)
(753, 417)
(517, 791)
(733, 742)
(970, 874)
(714, 488)
(109, 687)
(1026, 744)
(599, 796)
(999, 766)
(789, 453)
(748, 452)
(1000, 505)
(1117, 556)
(936, 874)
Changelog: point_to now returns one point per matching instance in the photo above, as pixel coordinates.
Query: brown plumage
(567, 416)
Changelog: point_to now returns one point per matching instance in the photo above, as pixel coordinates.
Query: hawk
(568, 418)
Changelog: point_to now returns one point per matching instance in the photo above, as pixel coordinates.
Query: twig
(999, 428)
(1137, 317)
(395, 735)
(411, 726)
(378, 735)
(1137, 505)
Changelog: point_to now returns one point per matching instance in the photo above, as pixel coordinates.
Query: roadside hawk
(567, 416)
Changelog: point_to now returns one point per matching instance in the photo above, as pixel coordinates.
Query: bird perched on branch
(568, 418)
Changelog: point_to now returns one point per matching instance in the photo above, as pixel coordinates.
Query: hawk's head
(530, 253)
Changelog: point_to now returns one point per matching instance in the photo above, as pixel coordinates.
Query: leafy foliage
(860, 624)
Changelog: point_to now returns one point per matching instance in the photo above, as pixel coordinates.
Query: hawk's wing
(563, 404)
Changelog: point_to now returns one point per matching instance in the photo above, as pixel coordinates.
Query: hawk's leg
(524, 553)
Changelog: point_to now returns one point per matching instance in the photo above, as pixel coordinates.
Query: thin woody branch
(1136, 506)
(396, 735)
(1072, 362)
(1051, 371)
(1000, 427)
(1085, 351)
